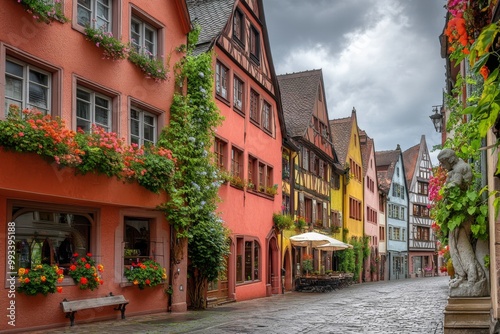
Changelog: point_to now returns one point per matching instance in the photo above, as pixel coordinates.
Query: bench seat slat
(77, 305)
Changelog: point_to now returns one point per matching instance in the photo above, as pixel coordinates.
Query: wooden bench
(71, 307)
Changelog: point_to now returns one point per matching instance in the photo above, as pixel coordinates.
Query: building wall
(42, 186)
(62, 52)
(397, 247)
(248, 212)
(354, 189)
(371, 227)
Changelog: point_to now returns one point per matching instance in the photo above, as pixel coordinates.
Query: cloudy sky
(380, 56)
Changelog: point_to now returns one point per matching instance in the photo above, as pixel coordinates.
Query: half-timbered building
(421, 242)
(306, 117)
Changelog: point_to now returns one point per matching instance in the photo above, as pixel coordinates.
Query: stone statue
(471, 279)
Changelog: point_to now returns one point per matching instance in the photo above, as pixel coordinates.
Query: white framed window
(143, 37)
(92, 108)
(238, 93)
(94, 13)
(143, 127)
(26, 86)
(221, 80)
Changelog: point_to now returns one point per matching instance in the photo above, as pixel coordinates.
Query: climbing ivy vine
(192, 206)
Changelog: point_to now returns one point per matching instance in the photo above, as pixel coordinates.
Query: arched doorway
(273, 281)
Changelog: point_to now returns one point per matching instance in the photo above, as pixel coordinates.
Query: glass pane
(83, 110)
(134, 140)
(85, 3)
(14, 69)
(134, 114)
(83, 95)
(101, 102)
(8, 102)
(150, 47)
(134, 127)
(39, 78)
(101, 116)
(14, 88)
(82, 124)
(149, 119)
(38, 96)
(102, 24)
(149, 133)
(83, 16)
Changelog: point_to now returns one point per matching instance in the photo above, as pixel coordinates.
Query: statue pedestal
(467, 315)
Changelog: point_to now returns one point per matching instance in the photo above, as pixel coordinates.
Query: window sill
(222, 99)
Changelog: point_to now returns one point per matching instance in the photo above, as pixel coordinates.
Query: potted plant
(145, 274)
(300, 223)
(282, 221)
(85, 272)
(307, 265)
(40, 279)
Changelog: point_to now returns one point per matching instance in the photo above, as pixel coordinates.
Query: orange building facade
(53, 212)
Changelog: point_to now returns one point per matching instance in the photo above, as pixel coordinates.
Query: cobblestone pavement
(405, 306)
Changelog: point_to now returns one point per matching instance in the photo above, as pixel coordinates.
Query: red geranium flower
(72, 267)
(87, 265)
(83, 280)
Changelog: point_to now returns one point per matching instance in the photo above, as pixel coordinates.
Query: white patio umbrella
(333, 246)
(314, 239)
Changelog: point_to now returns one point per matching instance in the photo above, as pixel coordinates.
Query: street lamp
(437, 118)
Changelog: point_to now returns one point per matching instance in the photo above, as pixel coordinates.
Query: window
(219, 150)
(422, 233)
(221, 80)
(143, 37)
(92, 108)
(285, 167)
(381, 231)
(335, 181)
(239, 26)
(247, 260)
(96, 13)
(305, 158)
(335, 218)
(285, 206)
(252, 173)
(420, 210)
(355, 170)
(371, 215)
(27, 86)
(370, 184)
(143, 127)
(397, 233)
(354, 209)
(51, 236)
(254, 45)
(238, 94)
(424, 173)
(266, 116)
(236, 162)
(396, 212)
(422, 188)
(254, 106)
(137, 239)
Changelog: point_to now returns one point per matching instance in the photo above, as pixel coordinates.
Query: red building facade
(54, 68)
(247, 145)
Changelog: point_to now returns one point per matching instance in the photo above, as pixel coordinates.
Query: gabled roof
(367, 145)
(386, 162)
(410, 158)
(212, 16)
(341, 135)
(299, 92)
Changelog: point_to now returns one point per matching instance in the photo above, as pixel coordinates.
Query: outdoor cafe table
(321, 283)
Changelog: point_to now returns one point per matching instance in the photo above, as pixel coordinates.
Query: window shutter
(314, 213)
(301, 205)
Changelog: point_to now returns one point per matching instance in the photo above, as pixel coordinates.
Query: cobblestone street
(406, 306)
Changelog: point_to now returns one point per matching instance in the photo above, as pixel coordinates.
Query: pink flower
(21, 134)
